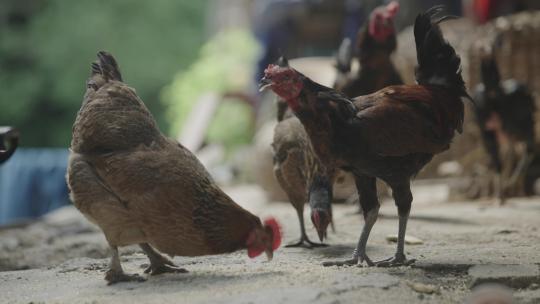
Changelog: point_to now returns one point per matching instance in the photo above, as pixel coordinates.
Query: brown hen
(142, 188)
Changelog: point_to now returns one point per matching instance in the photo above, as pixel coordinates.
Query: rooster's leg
(158, 263)
(403, 198)
(304, 240)
(367, 193)
(116, 274)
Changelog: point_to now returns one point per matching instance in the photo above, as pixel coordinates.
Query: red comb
(392, 8)
(274, 225)
(270, 68)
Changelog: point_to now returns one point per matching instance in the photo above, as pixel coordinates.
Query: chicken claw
(396, 261)
(164, 268)
(355, 260)
(158, 263)
(306, 243)
(113, 277)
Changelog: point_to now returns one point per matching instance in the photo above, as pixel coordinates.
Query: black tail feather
(438, 63)
(106, 66)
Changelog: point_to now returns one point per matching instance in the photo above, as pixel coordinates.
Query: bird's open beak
(264, 84)
(269, 255)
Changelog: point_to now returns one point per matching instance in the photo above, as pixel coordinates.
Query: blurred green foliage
(46, 47)
(224, 65)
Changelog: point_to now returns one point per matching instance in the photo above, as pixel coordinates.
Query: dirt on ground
(459, 246)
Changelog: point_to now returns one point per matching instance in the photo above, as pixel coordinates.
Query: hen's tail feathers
(106, 66)
(438, 63)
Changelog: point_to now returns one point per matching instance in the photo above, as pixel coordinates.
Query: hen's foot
(357, 260)
(113, 277)
(306, 243)
(398, 260)
(164, 268)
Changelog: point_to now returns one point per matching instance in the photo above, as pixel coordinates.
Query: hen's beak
(264, 84)
(269, 255)
(322, 234)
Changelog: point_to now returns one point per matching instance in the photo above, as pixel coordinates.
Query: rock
(409, 239)
(424, 288)
(491, 293)
(517, 276)
(506, 231)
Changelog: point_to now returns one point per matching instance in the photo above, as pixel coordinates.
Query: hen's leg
(304, 240)
(116, 274)
(403, 199)
(367, 194)
(158, 263)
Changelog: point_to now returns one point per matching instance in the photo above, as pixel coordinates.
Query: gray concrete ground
(62, 259)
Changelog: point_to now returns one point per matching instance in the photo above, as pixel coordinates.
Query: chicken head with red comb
(381, 21)
(265, 240)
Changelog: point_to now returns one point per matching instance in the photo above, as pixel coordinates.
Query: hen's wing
(290, 146)
(174, 198)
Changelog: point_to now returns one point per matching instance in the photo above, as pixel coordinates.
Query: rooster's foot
(398, 260)
(357, 260)
(113, 277)
(306, 243)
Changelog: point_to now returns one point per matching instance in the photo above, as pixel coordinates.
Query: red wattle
(254, 252)
(276, 231)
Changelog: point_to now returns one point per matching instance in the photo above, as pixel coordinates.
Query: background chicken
(375, 43)
(299, 173)
(9, 140)
(296, 167)
(390, 134)
(504, 113)
(142, 188)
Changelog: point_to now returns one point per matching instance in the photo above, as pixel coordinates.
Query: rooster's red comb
(276, 231)
(392, 9)
(272, 68)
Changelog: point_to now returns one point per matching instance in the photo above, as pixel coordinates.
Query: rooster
(376, 41)
(390, 134)
(9, 140)
(505, 115)
(300, 174)
(142, 188)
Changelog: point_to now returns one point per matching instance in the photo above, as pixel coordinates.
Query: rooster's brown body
(390, 134)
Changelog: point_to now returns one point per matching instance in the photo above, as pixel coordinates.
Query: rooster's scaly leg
(403, 198)
(367, 193)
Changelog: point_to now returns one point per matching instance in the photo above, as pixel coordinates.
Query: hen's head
(285, 81)
(266, 238)
(321, 219)
(381, 21)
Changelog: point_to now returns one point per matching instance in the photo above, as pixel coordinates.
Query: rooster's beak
(264, 84)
